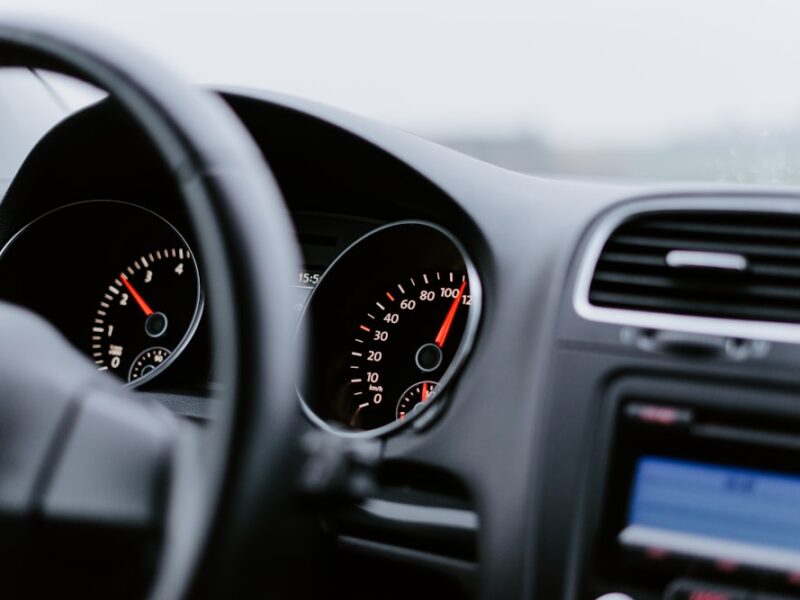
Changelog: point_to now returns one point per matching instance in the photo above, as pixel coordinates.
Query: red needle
(451, 314)
(424, 391)
(139, 300)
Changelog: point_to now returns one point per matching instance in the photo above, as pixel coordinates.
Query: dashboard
(125, 287)
(576, 389)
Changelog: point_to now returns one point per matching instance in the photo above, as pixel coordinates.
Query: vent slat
(667, 305)
(628, 258)
(669, 284)
(740, 247)
(786, 234)
(632, 272)
(624, 261)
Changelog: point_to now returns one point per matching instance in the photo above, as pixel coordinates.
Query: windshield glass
(619, 89)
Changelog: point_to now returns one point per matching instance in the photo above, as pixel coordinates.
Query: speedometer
(405, 341)
(391, 321)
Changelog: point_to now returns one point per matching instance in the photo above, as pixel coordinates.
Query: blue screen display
(705, 501)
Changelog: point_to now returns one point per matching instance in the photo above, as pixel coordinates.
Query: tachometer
(390, 321)
(118, 280)
(145, 312)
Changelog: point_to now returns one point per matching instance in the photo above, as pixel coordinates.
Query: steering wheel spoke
(113, 465)
(81, 459)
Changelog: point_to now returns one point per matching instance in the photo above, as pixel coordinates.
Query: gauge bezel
(199, 303)
(464, 349)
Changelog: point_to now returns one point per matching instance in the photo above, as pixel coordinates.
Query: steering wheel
(103, 492)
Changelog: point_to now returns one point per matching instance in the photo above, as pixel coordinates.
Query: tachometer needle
(451, 314)
(424, 391)
(136, 296)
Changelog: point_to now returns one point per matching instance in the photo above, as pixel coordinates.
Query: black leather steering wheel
(89, 473)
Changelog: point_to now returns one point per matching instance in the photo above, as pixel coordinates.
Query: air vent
(737, 265)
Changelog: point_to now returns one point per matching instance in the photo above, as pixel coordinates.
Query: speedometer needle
(451, 314)
(136, 296)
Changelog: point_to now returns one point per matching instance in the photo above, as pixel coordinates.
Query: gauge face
(411, 331)
(117, 280)
(415, 398)
(142, 315)
(147, 362)
(390, 322)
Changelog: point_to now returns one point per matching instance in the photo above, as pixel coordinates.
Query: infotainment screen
(748, 516)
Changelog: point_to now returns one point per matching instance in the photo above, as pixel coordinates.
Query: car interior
(257, 346)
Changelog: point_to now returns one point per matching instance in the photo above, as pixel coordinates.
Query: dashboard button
(695, 590)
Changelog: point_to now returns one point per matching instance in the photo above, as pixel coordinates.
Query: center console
(672, 454)
(699, 494)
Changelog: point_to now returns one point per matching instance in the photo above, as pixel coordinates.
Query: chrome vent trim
(728, 327)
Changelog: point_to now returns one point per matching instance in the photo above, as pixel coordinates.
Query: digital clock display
(305, 281)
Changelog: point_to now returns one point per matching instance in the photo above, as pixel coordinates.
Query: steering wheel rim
(239, 472)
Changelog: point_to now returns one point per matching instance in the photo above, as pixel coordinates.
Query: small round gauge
(145, 304)
(414, 398)
(390, 322)
(147, 362)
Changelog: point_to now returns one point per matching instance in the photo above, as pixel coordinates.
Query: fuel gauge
(414, 398)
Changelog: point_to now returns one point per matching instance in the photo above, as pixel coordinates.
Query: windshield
(619, 89)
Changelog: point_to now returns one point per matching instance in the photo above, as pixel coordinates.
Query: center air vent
(713, 263)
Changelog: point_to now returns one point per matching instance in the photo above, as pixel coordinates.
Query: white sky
(579, 71)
